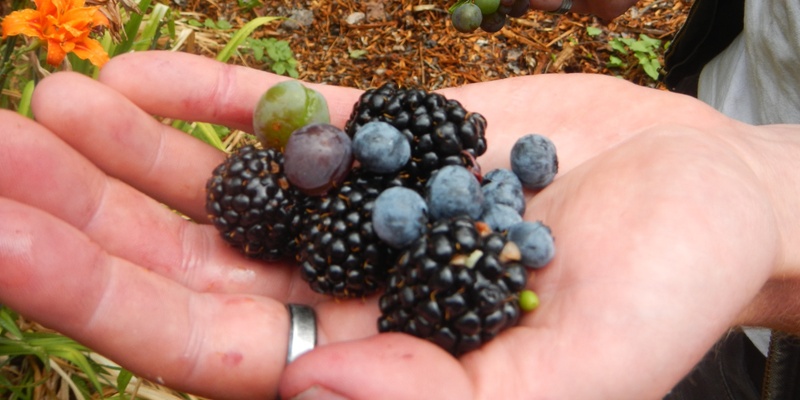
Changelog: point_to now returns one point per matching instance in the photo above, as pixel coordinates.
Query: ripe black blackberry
(457, 286)
(252, 204)
(441, 131)
(340, 254)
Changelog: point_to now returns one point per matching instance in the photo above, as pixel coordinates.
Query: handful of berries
(393, 204)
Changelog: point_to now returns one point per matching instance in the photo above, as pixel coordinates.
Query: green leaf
(227, 52)
(653, 43)
(258, 52)
(614, 62)
(123, 379)
(279, 68)
(223, 24)
(640, 47)
(651, 69)
(643, 58)
(618, 46)
(274, 53)
(593, 31)
(627, 41)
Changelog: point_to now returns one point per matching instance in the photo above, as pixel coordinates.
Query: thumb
(386, 366)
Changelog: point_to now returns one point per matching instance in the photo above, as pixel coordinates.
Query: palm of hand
(632, 211)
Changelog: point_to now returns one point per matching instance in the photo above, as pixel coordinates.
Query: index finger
(189, 87)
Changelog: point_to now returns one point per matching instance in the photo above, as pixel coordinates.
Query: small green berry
(528, 300)
(487, 6)
(285, 107)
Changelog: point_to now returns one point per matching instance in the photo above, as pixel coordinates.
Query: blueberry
(501, 186)
(400, 216)
(503, 175)
(534, 160)
(535, 242)
(452, 191)
(381, 148)
(500, 217)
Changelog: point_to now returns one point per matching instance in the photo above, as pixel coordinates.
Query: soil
(414, 43)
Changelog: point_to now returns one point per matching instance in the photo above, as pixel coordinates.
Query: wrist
(771, 152)
(776, 148)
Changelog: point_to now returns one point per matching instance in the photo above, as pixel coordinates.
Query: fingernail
(318, 393)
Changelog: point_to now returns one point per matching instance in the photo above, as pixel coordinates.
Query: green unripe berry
(466, 17)
(528, 300)
(487, 6)
(285, 107)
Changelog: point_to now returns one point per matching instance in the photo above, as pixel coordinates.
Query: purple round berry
(317, 157)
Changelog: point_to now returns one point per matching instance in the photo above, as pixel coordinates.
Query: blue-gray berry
(452, 191)
(500, 217)
(502, 175)
(399, 216)
(501, 186)
(535, 242)
(534, 160)
(381, 148)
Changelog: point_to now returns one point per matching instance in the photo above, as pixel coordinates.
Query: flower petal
(23, 22)
(55, 54)
(92, 50)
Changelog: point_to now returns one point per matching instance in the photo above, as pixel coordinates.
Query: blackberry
(340, 254)
(253, 206)
(457, 286)
(441, 132)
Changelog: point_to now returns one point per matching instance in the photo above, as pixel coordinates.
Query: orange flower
(65, 26)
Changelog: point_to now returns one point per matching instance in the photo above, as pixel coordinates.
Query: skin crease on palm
(667, 225)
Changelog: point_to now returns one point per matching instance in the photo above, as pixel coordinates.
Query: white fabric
(757, 78)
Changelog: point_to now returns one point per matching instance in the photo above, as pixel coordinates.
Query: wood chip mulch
(414, 44)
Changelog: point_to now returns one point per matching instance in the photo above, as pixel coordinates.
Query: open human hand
(643, 282)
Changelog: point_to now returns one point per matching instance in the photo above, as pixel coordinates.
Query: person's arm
(773, 151)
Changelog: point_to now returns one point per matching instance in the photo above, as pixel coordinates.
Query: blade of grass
(243, 33)
(45, 345)
(205, 132)
(8, 322)
(66, 378)
(150, 31)
(25, 100)
(132, 28)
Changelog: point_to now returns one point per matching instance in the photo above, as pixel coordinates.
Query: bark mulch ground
(362, 44)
